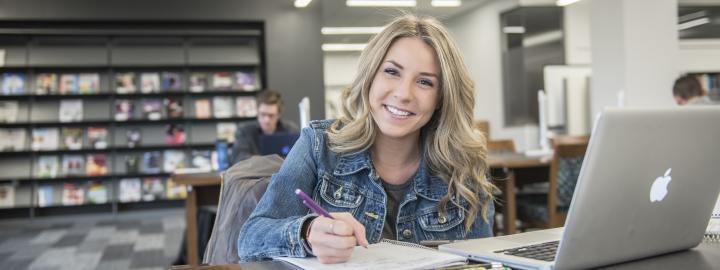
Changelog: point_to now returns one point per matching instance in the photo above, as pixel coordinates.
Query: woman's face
(404, 92)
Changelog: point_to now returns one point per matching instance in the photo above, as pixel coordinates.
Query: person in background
(688, 91)
(269, 121)
(402, 162)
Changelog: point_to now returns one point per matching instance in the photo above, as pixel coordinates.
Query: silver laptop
(647, 186)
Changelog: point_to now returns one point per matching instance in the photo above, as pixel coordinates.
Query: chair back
(564, 172)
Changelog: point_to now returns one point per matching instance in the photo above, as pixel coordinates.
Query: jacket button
(337, 196)
(442, 220)
(407, 233)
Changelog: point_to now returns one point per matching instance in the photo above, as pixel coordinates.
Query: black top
(247, 138)
(395, 195)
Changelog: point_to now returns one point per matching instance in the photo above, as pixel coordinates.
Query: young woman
(403, 162)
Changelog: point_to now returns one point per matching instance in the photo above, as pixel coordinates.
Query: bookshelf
(94, 116)
(710, 81)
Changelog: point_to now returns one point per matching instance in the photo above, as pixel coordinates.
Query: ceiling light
(302, 3)
(693, 23)
(351, 30)
(338, 47)
(381, 3)
(566, 2)
(514, 30)
(446, 3)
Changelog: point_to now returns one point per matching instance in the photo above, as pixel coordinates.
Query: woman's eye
(426, 82)
(391, 71)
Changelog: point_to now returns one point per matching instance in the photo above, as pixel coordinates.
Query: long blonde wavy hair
(454, 152)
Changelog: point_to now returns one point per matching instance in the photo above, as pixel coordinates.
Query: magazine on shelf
(222, 107)
(174, 134)
(47, 167)
(124, 109)
(222, 80)
(130, 190)
(134, 136)
(246, 81)
(125, 83)
(73, 194)
(171, 81)
(198, 82)
(152, 109)
(12, 139)
(173, 159)
(96, 165)
(13, 83)
(226, 131)
(68, 84)
(152, 189)
(149, 82)
(44, 139)
(98, 137)
(8, 111)
(97, 193)
(72, 138)
(73, 165)
(46, 195)
(245, 107)
(201, 160)
(151, 162)
(202, 109)
(174, 107)
(132, 164)
(174, 190)
(7, 196)
(71, 110)
(89, 83)
(46, 84)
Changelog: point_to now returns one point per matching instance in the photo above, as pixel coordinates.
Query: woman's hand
(333, 240)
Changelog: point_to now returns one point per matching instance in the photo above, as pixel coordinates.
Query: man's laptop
(647, 186)
(279, 143)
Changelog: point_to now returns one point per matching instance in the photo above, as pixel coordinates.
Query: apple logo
(659, 187)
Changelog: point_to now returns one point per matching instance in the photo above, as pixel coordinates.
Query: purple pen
(307, 201)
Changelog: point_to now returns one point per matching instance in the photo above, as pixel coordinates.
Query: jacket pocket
(432, 221)
(339, 194)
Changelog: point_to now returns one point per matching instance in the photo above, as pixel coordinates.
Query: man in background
(688, 91)
(269, 122)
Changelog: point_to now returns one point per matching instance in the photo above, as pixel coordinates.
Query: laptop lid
(278, 143)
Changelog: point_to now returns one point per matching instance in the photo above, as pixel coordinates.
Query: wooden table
(203, 189)
(508, 163)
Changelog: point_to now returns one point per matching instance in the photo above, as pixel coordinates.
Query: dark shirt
(395, 196)
(247, 138)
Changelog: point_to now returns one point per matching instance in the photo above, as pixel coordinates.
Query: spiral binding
(712, 234)
(405, 244)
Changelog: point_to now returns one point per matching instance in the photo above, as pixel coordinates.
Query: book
(72, 194)
(88, 83)
(134, 136)
(151, 162)
(124, 109)
(125, 83)
(173, 159)
(8, 111)
(152, 189)
(46, 84)
(386, 254)
(96, 165)
(46, 195)
(73, 165)
(149, 82)
(198, 82)
(13, 83)
(174, 134)
(97, 193)
(222, 107)
(202, 109)
(97, 137)
(44, 139)
(68, 84)
(174, 107)
(201, 160)
(72, 138)
(132, 164)
(71, 110)
(171, 81)
(12, 139)
(7, 196)
(130, 190)
(222, 80)
(246, 81)
(712, 232)
(174, 190)
(152, 109)
(245, 107)
(226, 131)
(47, 167)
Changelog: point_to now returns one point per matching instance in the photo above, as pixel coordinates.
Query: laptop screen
(279, 143)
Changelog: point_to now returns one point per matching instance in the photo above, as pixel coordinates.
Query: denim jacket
(346, 183)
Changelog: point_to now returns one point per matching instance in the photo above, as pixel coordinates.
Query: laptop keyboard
(543, 251)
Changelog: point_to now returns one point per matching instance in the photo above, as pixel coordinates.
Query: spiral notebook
(386, 254)
(713, 229)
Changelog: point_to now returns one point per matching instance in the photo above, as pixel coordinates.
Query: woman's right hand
(333, 240)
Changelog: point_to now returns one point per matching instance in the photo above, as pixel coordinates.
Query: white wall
(340, 69)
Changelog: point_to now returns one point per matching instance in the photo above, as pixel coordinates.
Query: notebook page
(713, 229)
(384, 255)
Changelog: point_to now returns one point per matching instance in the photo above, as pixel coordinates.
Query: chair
(483, 126)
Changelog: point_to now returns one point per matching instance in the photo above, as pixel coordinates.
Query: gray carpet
(136, 240)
